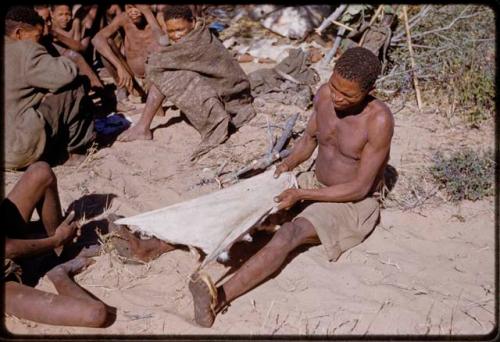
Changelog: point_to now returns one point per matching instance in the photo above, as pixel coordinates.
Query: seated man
(199, 76)
(141, 36)
(73, 306)
(353, 131)
(45, 108)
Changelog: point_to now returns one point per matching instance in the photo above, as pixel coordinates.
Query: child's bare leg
(38, 188)
(141, 130)
(73, 307)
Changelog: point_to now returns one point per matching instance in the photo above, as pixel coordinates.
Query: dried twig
(329, 56)
(412, 59)
(334, 16)
(268, 159)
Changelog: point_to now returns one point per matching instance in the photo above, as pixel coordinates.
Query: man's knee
(41, 174)
(288, 236)
(293, 234)
(95, 315)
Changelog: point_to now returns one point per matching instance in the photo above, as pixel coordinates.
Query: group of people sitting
(50, 54)
(164, 53)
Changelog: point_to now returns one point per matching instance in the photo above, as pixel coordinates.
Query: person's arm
(160, 37)
(374, 154)
(47, 72)
(64, 233)
(100, 42)
(62, 37)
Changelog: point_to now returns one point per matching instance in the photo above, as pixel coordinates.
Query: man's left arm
(374, 154)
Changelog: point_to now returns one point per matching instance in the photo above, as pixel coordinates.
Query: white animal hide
(213, 222)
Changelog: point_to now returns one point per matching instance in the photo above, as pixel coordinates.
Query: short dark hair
(359, 64)
(17, 15)
(177, 12)
(54, 6)
(40, 6)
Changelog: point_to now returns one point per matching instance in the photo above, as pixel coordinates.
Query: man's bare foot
(204, 299)
(69, 268)
(135, 133)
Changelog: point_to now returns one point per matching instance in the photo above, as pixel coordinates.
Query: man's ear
(18, 33)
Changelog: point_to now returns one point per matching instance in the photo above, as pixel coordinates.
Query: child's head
(23, 23)
(134, 14)
(60, 15)
(353, 77)
(179, 21)
(43, 11)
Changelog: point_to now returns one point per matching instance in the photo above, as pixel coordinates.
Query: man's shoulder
(380, 115)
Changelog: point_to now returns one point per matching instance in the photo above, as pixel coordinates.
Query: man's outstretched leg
(72, 307)
(208, 300)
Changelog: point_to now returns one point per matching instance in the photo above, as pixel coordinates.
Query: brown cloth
(289, 82)
(340, 226)
(199, 76)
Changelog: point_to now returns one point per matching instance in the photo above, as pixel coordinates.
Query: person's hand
(66, 231)
(287, 198)
(124, 79)
(283, 167)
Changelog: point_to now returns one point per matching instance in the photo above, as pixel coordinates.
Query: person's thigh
(29, 190)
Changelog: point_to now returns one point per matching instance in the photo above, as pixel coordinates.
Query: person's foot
(135, 133)
(132, 247)
(204, 299)
(69, 268)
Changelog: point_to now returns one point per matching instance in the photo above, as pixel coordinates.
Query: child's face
(178, 28)
(344, 93)
(61, 16)
(133, 13)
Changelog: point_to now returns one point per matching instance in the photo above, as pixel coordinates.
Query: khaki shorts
(339, 226)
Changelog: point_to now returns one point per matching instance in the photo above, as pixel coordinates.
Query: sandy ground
(427, 270)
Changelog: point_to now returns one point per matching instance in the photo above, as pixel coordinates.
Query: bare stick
(336, 45)
(268, 158)
(410, 48)
(287, 132)
(348, 28)
(334, 16)
(412, 22)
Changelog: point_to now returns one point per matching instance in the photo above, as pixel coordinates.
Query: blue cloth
(111, 124)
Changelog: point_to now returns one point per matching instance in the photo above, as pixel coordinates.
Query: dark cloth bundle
(203, 80)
